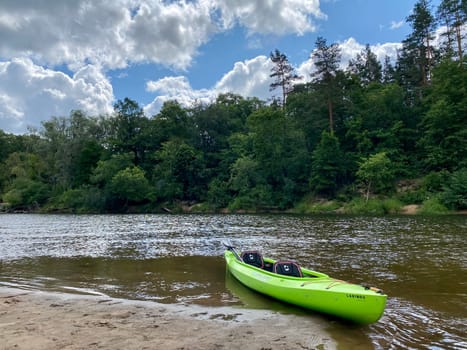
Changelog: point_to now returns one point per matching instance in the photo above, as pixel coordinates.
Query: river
(420, 262)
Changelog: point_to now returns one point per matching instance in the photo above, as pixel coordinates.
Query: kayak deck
(309, 289)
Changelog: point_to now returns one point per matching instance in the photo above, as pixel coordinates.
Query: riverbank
(46, 320)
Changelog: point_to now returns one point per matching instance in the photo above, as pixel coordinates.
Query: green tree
(71, 146)
(454, 193)
(366, 67)
(453, 15)
(376, 174)
(281, 152)
(172, 122)
(327, 165)
(306, 112)
(179, 173)
(26, 185)
(250, 187)
(131, 185)
(326, 59)
(106, 169)
(283, 73)
(129, 126)
(444, 140)
(417, 56)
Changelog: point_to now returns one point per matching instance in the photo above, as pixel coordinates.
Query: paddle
(229, 246)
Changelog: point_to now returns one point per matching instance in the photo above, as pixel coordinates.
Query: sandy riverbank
(44, 320)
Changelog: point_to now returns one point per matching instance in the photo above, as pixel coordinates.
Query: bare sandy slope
(43, 320)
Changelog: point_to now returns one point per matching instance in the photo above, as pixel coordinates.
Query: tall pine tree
(283, 73)
(326, 59)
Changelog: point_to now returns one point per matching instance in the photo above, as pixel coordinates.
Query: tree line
(348, 136)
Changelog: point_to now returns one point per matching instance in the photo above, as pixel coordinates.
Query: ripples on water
(421, 263)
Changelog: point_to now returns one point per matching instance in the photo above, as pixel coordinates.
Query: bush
(306, 207)
(25, 193)
(454, 194)
(433, 182)
(82, 200)
(433, 206)
(373, 206)
(259, 197)
(219, 193)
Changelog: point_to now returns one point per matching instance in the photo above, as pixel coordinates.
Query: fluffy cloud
(270, 17)
(349, 50)
(249, 78)
(113, 33)
(91, 38)
(107, 33)
(175, 88)
(30, 93)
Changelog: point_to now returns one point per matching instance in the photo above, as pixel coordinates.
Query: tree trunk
(331, 119)
(459, 36)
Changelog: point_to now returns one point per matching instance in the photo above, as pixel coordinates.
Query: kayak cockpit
(281, 267)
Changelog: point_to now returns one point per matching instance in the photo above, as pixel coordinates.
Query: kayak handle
(374, 289)
(230, 247)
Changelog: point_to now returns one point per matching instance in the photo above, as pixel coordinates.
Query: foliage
(131, 185)
(445, 123)
(432, 206)
(327, 165)
(316, 207)
(454, 195)
(368, 125)
(326, 59)
(283, 74)
(376, 173)
(81, 200)
(373, 206)
(26, 193)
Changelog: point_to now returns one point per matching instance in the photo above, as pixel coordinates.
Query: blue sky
(56, 56)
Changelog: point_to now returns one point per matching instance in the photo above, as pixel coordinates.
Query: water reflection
(168, 279)
(420, 262)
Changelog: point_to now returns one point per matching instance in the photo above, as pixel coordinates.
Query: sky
(57, 55)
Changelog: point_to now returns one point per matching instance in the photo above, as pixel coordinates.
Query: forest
(368, 138)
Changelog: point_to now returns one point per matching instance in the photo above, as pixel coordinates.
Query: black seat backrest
(288, 268)
(253, 257)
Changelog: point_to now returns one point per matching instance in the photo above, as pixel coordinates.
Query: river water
(420, 262)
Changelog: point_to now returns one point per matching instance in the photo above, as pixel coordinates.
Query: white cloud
(249, 78)
(91, 38)
(107, 33)
(349, 50)
(30, 93)
(113, 33)
(396, 25)
(270, 17)
(175, 88)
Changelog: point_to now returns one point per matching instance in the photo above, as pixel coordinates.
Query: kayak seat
(253, 257)
(287, 268)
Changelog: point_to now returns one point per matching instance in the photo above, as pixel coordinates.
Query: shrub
(454, 194)
(432, 206)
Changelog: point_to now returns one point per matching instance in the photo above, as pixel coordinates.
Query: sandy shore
(46, 320)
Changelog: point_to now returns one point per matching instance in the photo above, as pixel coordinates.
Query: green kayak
(288, 282)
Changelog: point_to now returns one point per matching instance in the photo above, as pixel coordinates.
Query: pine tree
(453, 15)
(283, 73)
(366, 66)
(421, 39)
(326, 60)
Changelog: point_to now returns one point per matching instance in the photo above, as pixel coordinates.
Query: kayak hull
(315, 291)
